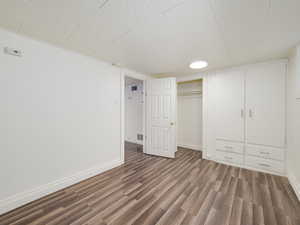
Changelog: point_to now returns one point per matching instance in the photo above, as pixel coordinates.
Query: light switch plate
(11, 51)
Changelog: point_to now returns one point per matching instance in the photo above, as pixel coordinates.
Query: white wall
(189, 116)
(133, 110)
(60, 119)
(293, 120)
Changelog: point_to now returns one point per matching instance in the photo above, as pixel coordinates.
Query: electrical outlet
(140, 137)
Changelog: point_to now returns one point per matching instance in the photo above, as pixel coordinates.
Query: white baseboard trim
(294, 183)
(194, 147)
(135, 142)
(25, 197)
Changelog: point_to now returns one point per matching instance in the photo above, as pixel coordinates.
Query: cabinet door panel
(229, 105)
(265, 104)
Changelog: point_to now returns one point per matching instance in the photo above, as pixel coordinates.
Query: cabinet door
(265, 104)
(229, 105)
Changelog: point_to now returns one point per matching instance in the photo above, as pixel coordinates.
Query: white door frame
(125, 73)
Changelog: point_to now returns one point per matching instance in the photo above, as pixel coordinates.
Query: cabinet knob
(265, 153)
(264, 165)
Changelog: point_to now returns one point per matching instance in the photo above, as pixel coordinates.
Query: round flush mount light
(198, 64)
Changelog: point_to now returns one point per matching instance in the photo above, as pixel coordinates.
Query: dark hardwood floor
(155, 190)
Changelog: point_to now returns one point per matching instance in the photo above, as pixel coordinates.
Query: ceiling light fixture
(198, 64)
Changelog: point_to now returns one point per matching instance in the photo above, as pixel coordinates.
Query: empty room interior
(150, 112)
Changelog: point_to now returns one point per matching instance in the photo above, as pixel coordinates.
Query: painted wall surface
(133, 110)
(293, 120)
(189, 116)
(60, 119)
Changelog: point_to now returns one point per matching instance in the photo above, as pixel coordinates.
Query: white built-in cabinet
(245, 108)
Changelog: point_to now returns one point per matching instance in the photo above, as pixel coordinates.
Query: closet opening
(133, 116)
(189, 115)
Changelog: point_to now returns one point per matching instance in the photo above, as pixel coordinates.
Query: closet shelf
(189, 93)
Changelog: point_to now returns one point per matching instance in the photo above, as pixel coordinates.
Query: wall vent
(134, 88)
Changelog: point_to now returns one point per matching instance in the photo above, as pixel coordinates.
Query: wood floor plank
(149, 190)
(236, 213)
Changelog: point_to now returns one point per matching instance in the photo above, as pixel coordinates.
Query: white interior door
(229, 105)
(161, 117)
(265, 104)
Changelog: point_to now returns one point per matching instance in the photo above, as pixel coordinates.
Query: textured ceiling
(161, 36)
